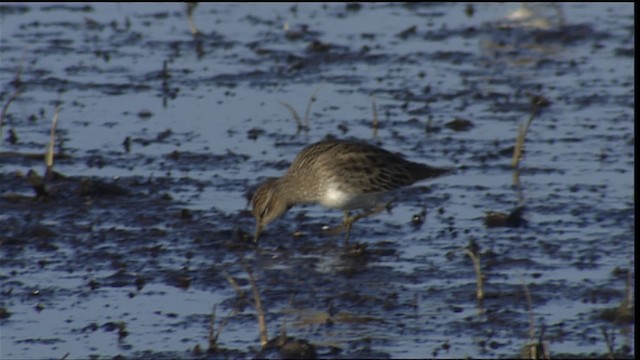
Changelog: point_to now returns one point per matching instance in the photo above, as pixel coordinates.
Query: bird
(338, 174)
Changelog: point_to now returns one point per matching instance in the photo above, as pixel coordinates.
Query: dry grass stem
(609, 341)
(5, 108)
(475, 259)
(375, 123)
(191, 6)
(312, 99)
(233, 283)
(214, 335)
(262, 324)
(48, 156)
(302, 124)
(520, 138)
(18, 88)
(213, 339)
(517, 149)
(515, 177)
(532, 321)
(295, 115)
(538, 102)
(534, 349)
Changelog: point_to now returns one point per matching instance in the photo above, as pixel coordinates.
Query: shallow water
(128, 254)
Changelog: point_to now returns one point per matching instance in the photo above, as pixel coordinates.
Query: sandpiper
(339, 174)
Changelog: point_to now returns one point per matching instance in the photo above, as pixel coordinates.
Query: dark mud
(143, 231)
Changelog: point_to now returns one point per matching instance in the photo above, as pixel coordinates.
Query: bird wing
(360, 168)
(363, 168)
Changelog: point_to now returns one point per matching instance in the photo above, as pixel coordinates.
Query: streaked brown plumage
(339, 174)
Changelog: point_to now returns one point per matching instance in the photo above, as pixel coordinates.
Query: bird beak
(257, 234)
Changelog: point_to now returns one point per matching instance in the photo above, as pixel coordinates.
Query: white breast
(335, 198)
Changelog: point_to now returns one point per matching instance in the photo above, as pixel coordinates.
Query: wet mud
(137, 242)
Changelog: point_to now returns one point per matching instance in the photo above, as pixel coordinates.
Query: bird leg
(346, 223)
(349, 220)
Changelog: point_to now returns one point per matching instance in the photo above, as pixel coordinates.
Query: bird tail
(427, 172)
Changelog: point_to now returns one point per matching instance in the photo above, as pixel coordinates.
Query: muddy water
(162, 134)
